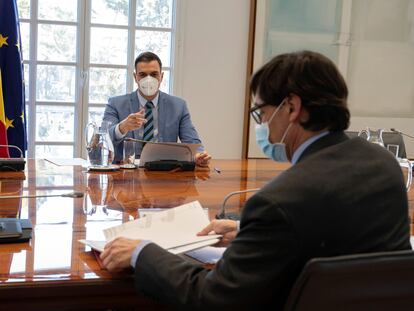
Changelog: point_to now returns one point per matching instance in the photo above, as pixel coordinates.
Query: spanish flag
(12, 99)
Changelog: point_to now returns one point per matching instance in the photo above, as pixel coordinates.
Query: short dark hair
(147, 57)
(315, 79)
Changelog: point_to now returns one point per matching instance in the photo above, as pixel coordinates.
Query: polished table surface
(54, 271)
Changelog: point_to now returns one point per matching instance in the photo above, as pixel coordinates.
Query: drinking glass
(98, 192)
(407, 169)
(129, 154)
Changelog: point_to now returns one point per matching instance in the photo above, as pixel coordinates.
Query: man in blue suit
(150, 114)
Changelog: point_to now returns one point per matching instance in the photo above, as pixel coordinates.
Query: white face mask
(148, 86)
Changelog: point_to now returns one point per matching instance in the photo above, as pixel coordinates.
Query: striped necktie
(149, 126)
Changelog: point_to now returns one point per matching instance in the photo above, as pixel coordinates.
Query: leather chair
(389, 138)
(376, 281)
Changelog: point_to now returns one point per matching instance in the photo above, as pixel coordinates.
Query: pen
(217, 170)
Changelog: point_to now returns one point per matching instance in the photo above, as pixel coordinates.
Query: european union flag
(12, 99)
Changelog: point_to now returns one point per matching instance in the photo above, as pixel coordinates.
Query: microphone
(12, 164)
(232, 216)
(73, 195)
(399, 132)
(15, 147)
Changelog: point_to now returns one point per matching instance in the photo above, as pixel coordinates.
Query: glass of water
(129, 154)
(407, 169)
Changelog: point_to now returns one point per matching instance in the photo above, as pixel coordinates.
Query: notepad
(174, 229)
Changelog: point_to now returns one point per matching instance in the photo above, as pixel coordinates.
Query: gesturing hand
(202, 158)
(132, 122)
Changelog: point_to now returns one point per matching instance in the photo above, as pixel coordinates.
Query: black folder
(15, 230)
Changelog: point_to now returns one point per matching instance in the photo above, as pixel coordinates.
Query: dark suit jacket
(344, 196)
(174, 120)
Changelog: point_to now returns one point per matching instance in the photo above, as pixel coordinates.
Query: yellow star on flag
(18, 42)
(3, 40)
(22, 116)
(9, 123)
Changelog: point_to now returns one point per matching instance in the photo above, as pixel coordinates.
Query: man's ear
(294, 103)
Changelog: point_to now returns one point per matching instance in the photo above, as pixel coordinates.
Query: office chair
(389, 138)
(377, 281)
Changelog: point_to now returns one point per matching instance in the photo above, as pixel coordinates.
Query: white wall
(210, 70)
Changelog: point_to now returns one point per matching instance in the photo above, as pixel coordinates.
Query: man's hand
(226, 227)
(132, 122)
(117, 253)
(202, 159)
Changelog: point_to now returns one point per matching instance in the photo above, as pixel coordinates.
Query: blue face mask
(276, 151)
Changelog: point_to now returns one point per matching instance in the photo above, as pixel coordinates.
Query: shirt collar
(143, 101)
(306, 144)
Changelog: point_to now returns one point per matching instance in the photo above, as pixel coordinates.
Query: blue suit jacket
(174, 120)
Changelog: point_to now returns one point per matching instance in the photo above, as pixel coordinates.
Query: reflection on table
(55, 264)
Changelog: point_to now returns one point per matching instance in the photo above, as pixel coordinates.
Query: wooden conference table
(56, 272)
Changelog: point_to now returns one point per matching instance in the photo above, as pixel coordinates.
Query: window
(79, 53)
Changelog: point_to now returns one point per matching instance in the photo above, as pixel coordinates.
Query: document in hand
(207, 254)
(168, 151)
(174, 229)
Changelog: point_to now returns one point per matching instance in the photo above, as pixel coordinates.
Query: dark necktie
(149, 126)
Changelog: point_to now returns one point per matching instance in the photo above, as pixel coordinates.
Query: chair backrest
(389, 138)
(376, 281)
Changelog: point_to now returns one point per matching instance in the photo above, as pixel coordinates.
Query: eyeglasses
(255, 112)
(256, 115)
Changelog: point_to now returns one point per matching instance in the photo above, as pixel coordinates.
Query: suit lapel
(161, 116)
(324, 142)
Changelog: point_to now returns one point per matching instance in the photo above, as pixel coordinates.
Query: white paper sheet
(207, 254)
(174, 229)
(193, 246)
(147, 211)
(170, 228)
(98, 245)
(68, 161)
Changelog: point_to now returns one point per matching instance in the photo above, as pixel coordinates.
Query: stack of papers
(174, 229)
(207, 254)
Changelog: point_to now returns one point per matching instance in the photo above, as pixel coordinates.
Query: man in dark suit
(149, 114)
(340, 196)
